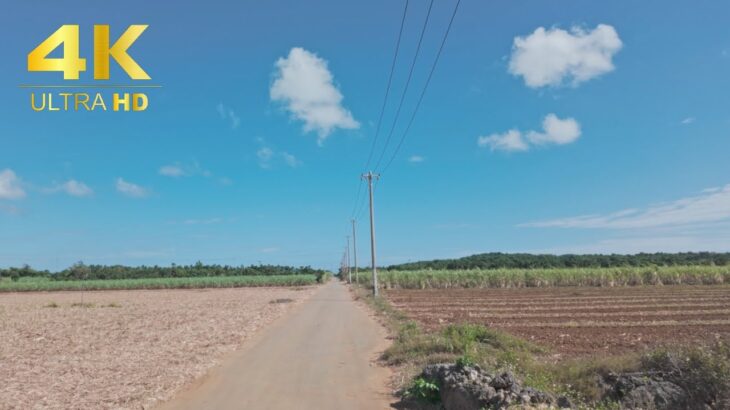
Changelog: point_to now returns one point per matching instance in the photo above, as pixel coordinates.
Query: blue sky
(566, 126)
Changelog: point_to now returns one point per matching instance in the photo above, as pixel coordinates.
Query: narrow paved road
(320, 356)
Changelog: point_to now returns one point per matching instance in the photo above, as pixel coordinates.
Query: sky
(567, 126)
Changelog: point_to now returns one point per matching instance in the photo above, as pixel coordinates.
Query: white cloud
(268, 157)
(172, 171)
(264, 155)
(75, 188)
(227, 113)
(290, 159)
(416, 159)
(552, 57)
(711, 206)
(509, 141)
(305, 85)
(688, 120)
(177, 170)
(130, 189)
(202, 221)
(10, 185)
(554, 131)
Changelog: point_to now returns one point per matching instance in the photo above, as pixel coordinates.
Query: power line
(423, 92)
(387, 89)
(408, 82)
(385, 101)
(357, 198)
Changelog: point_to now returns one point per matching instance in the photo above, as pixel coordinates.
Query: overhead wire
(423, 92)
(408, 83)
(385, 100)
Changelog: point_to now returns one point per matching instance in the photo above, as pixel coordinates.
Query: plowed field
(580, 320)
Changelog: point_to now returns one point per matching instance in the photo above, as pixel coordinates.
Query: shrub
(424, 390)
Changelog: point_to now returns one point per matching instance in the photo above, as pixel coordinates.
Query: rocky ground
(471, 387)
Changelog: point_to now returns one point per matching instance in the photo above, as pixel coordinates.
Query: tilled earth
(123, 349)
(579, 320)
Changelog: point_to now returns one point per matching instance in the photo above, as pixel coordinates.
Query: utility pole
(347, 253)
(354, 250)
(369, 176)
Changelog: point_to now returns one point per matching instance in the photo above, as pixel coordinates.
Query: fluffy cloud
(509, 141)
(710, 207)
(10, 186)
(227, 113)
(172, 171)
(130, 189)
(554, 131)
(416, 159)
(267, 156)
(305, 85)
(73, 188)
(553, 57)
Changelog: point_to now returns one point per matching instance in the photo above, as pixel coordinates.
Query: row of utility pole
(346, 266)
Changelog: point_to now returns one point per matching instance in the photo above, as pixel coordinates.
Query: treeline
(498, 260)
(81, 271)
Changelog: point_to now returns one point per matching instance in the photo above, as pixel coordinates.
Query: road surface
(321, 355)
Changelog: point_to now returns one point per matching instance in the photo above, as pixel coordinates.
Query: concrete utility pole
(369, 176)
(354, 250)
(347, 253)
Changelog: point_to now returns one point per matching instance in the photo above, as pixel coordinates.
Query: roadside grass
(516, 278)
(702, 371)
(83, 305)
(45, 284)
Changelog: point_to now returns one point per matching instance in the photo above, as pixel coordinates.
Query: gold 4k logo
(71, 64)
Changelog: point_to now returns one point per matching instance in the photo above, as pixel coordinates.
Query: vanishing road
(321, 355)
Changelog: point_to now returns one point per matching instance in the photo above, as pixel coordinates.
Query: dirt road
(319, 356)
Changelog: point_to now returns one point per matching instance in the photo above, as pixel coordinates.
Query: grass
(45, 284)
(282, 300)
(83, 305)
(704, 371)
(503, 278)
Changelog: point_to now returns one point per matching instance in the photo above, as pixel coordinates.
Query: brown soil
(581, 321)
(123, 349)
